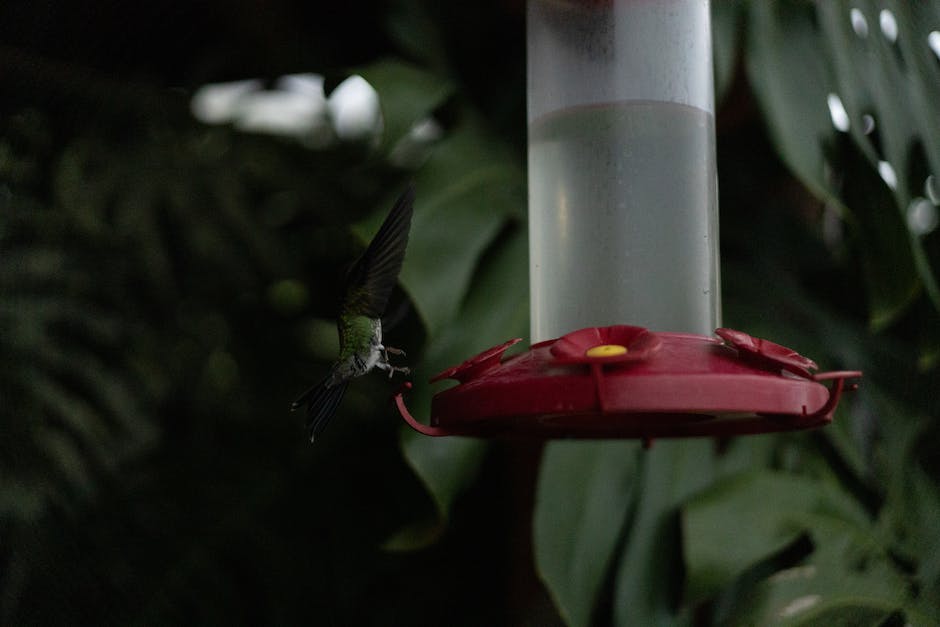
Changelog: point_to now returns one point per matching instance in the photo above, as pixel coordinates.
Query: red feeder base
(627, 382)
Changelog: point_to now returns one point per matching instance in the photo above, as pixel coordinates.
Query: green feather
(355, 334)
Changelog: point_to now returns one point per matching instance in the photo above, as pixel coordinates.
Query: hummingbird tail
(322, 401)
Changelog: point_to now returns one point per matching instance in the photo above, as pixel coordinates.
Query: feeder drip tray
(628, 382)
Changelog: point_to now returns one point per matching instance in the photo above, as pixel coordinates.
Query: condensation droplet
(889, 25)
(868, 124)
(840, 119)
(932, 189)
(859, 23)
(922, 216)
(888, 174)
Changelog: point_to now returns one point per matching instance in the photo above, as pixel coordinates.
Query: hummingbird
(368, 284)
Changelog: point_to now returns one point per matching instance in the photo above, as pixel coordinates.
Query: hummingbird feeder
(622, 176)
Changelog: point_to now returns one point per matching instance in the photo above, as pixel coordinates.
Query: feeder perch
(623, 228)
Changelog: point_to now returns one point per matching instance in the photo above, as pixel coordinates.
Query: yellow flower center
(606, 350)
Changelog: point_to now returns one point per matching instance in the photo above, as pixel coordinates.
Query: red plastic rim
(650, 385)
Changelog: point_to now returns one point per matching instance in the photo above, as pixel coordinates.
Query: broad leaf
(889, 93)
(911, 515)
(464, 204)
(465, 192)
(727, 20)
(583, 502)
(738, 522)
(496, 310)
(648, 577)
(839, 585)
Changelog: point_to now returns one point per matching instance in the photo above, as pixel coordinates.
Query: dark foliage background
(166, 288)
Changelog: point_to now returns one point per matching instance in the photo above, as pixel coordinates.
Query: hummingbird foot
(388, 349)
(384, 365)
(402, 369)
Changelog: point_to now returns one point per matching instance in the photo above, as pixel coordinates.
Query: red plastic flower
(475, 366)
(767, 354)
(605, 345)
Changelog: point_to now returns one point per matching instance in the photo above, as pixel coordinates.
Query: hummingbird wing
(322, 401)
(373, 276)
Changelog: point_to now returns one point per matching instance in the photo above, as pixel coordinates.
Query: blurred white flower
(354, 107)
(218, 103)
(281, 112)
(296, 107)
(310, 84)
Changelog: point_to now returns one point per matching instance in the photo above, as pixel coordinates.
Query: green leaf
(880, 235)
(802, 55)
(790, 80)
(911, 513)
(407, 94)
(73, 412)
(496, 310)
(464, 195)
(584, 495)
(717, 551)
(579, 488)
(412, 27)
(918, 508)
(835, 587)
(466, 192)
(648, 578)
(888, 83)
(727, 20)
